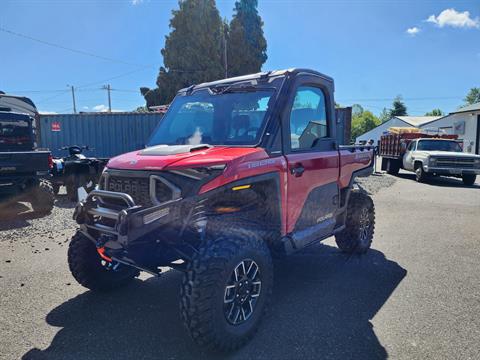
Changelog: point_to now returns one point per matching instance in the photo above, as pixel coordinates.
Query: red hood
(135, 160)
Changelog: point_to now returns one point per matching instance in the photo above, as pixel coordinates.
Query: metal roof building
(396, 121)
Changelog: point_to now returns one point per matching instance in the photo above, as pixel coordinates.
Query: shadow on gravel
(322, 305)
(16, 214)
(441, 181)
(63, 202)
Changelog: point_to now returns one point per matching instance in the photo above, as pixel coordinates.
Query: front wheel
(359, 226)
(420, 174)
(225, 290)
(90, 271)
(469, 179)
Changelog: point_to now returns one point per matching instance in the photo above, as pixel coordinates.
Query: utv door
(313, 161)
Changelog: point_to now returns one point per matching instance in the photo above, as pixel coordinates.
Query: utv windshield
(438, 145)
(15, 135)
(230, 116)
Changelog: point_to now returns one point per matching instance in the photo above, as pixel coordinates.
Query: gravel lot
(414, 295)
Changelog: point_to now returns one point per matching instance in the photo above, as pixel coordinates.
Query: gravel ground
(374, 183)
(19, 225)
(415, 295)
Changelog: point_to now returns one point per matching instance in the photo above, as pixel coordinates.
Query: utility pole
(108, 88)
(73, 98)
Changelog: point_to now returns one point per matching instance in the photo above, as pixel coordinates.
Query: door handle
(297, 170)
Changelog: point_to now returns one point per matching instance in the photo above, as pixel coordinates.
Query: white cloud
(453, 18)
(48, 112)
(104, 108)
(413, 31)
(136, 2)
(100, 108)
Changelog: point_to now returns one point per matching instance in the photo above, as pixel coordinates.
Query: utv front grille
(145, 189)
(137, 188)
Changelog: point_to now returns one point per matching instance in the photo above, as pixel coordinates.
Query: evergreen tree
(193, 51)
(247, 47)
(473, 96)
(399, 108)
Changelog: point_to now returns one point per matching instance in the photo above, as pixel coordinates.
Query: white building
(465, 122)
(396, 121)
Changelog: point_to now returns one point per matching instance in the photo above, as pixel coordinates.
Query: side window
(411, 146)
(308, 118)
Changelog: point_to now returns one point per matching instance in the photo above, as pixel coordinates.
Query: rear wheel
(42, 197)
(91, 271)
(393, 167)
(225, 290)
(359, 226)
(469, 179)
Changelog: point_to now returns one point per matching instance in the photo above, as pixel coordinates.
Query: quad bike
(76, 170)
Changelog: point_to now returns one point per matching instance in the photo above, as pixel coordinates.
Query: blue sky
(427, 51)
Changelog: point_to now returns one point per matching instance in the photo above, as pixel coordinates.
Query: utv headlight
(201, 173)
(102, 181)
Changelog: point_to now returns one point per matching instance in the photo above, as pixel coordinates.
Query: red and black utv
(238, 170)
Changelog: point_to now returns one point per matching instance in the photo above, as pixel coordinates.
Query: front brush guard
(131, 222)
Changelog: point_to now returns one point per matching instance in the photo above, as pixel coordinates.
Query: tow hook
(101, 252)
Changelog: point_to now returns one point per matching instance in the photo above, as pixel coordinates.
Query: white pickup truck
(430, 156)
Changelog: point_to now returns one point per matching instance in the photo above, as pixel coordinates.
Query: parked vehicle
(76, 170)
(237, 171)
(428, 155)
(24, 170)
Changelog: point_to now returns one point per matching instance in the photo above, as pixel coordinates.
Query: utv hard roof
(21, 98)
(7, 115)
(266, 74)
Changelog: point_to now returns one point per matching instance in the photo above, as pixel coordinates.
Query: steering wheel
(251, 129)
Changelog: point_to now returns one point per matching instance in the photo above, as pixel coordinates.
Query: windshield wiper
(218, 90)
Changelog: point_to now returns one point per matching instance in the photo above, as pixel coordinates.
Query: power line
(77, 51)
(403, 99)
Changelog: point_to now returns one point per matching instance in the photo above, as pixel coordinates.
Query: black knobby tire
(469, 179)
(71, 186)
(42, 197)
(393, 167)
(357, 236)
(56, 189)
(204, 306)
(87, 268)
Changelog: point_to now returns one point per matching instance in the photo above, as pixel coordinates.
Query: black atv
(76, 170)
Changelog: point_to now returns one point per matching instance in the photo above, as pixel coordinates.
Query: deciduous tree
(435, 112)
